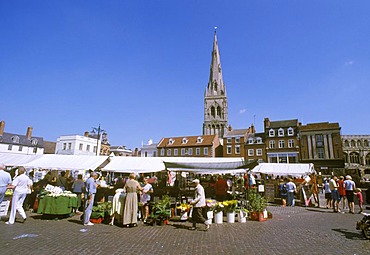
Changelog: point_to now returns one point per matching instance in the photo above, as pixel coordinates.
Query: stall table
(56, 205)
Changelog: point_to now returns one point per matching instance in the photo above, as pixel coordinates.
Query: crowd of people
(340, 193)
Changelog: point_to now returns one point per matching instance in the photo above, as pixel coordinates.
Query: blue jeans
(88, 209)
(2, 193)
(290, 198)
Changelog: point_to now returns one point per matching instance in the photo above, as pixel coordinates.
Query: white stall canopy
(135, 165)
(12, 159)
(206, 165)
(295, 170)
(67, 162)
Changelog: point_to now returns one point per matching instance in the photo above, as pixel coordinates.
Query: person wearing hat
(5, 180)
(199, 204)
(350, 187)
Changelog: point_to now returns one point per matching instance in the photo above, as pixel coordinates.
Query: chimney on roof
(2, 126)
(267, 123)
(86, 134)
(29, 133)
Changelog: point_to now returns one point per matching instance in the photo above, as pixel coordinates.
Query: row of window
(20, 148)
(281, 132)
(15, 139)
(229, 149)
(251, 152)
(185, 140)
(184, 151)
(230, 140)
(88, 147)
(281, 144)
(356, 143)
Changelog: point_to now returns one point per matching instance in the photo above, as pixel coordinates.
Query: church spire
(216, 84)
(215, 100)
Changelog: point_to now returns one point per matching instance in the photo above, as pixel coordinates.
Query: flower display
(210, 204)
(219, 207)
(57, 193)
(183, 207)
(230, 205)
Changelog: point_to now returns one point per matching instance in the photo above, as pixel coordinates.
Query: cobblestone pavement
(292, 230)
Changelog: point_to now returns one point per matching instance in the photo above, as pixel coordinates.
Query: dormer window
(259, 140)
(34, 141)
(250, 140)
(290, 131)
(184, 140)
(229, 140)
(15, 139)
(199, 139)
(237, 139)
(271, 133)
(171, 141)
(281, 132)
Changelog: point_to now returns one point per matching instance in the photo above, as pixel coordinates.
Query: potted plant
(242, 214)
(257, 205)
(218, 212)
(161, 211)
(210, 206)
(230, 207)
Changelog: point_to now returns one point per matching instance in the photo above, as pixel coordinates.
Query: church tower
(215, 100)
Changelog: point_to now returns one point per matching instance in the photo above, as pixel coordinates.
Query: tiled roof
(236, 132)
(6, 138)
(206, 140)
(283, 123)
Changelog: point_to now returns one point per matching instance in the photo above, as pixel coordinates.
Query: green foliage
(257, 202)
(162, 209)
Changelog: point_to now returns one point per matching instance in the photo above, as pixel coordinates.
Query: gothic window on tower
(213, 114)
(219, 111)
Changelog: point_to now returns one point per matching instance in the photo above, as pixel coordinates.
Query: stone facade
(215, 99)
(320, 144)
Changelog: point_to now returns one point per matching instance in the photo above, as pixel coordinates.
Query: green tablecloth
(56, 205)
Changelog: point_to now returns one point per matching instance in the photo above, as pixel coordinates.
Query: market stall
(60, 205)
(272, 172)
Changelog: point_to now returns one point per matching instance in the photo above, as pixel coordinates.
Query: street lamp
(99, 131)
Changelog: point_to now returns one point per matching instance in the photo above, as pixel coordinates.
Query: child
(358, 193)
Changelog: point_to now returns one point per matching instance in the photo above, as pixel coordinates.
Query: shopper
(145, 198)
(350, 187)
(89, 197)
(131, 203)
(291, 190)
(5, 180)
(21, 185)
(199, 204)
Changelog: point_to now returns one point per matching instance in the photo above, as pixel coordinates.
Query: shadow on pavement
(180, 226)
(350, 235)
(321, 210)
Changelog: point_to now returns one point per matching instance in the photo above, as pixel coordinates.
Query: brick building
(190, 146)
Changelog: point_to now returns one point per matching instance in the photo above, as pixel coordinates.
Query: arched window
(359, 143)
(366, 143)
(354, 158)
(219, 111)
(213, 114)
(353, 143)
(15, 139)
(346, 143)
(367, 159)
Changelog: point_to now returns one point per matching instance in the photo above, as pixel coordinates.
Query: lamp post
(97, 130)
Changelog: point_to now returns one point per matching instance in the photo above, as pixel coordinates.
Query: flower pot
(209, 217)
(230, 217)
(257, 216)
(218, 217)
(242, 217)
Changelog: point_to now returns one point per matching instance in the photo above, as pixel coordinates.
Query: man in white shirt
(5, 180)
(199, 204)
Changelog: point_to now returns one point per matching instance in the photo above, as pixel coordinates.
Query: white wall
(25, 149)
(70, 145)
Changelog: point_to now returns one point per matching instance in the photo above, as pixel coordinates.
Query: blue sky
(140, 68)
